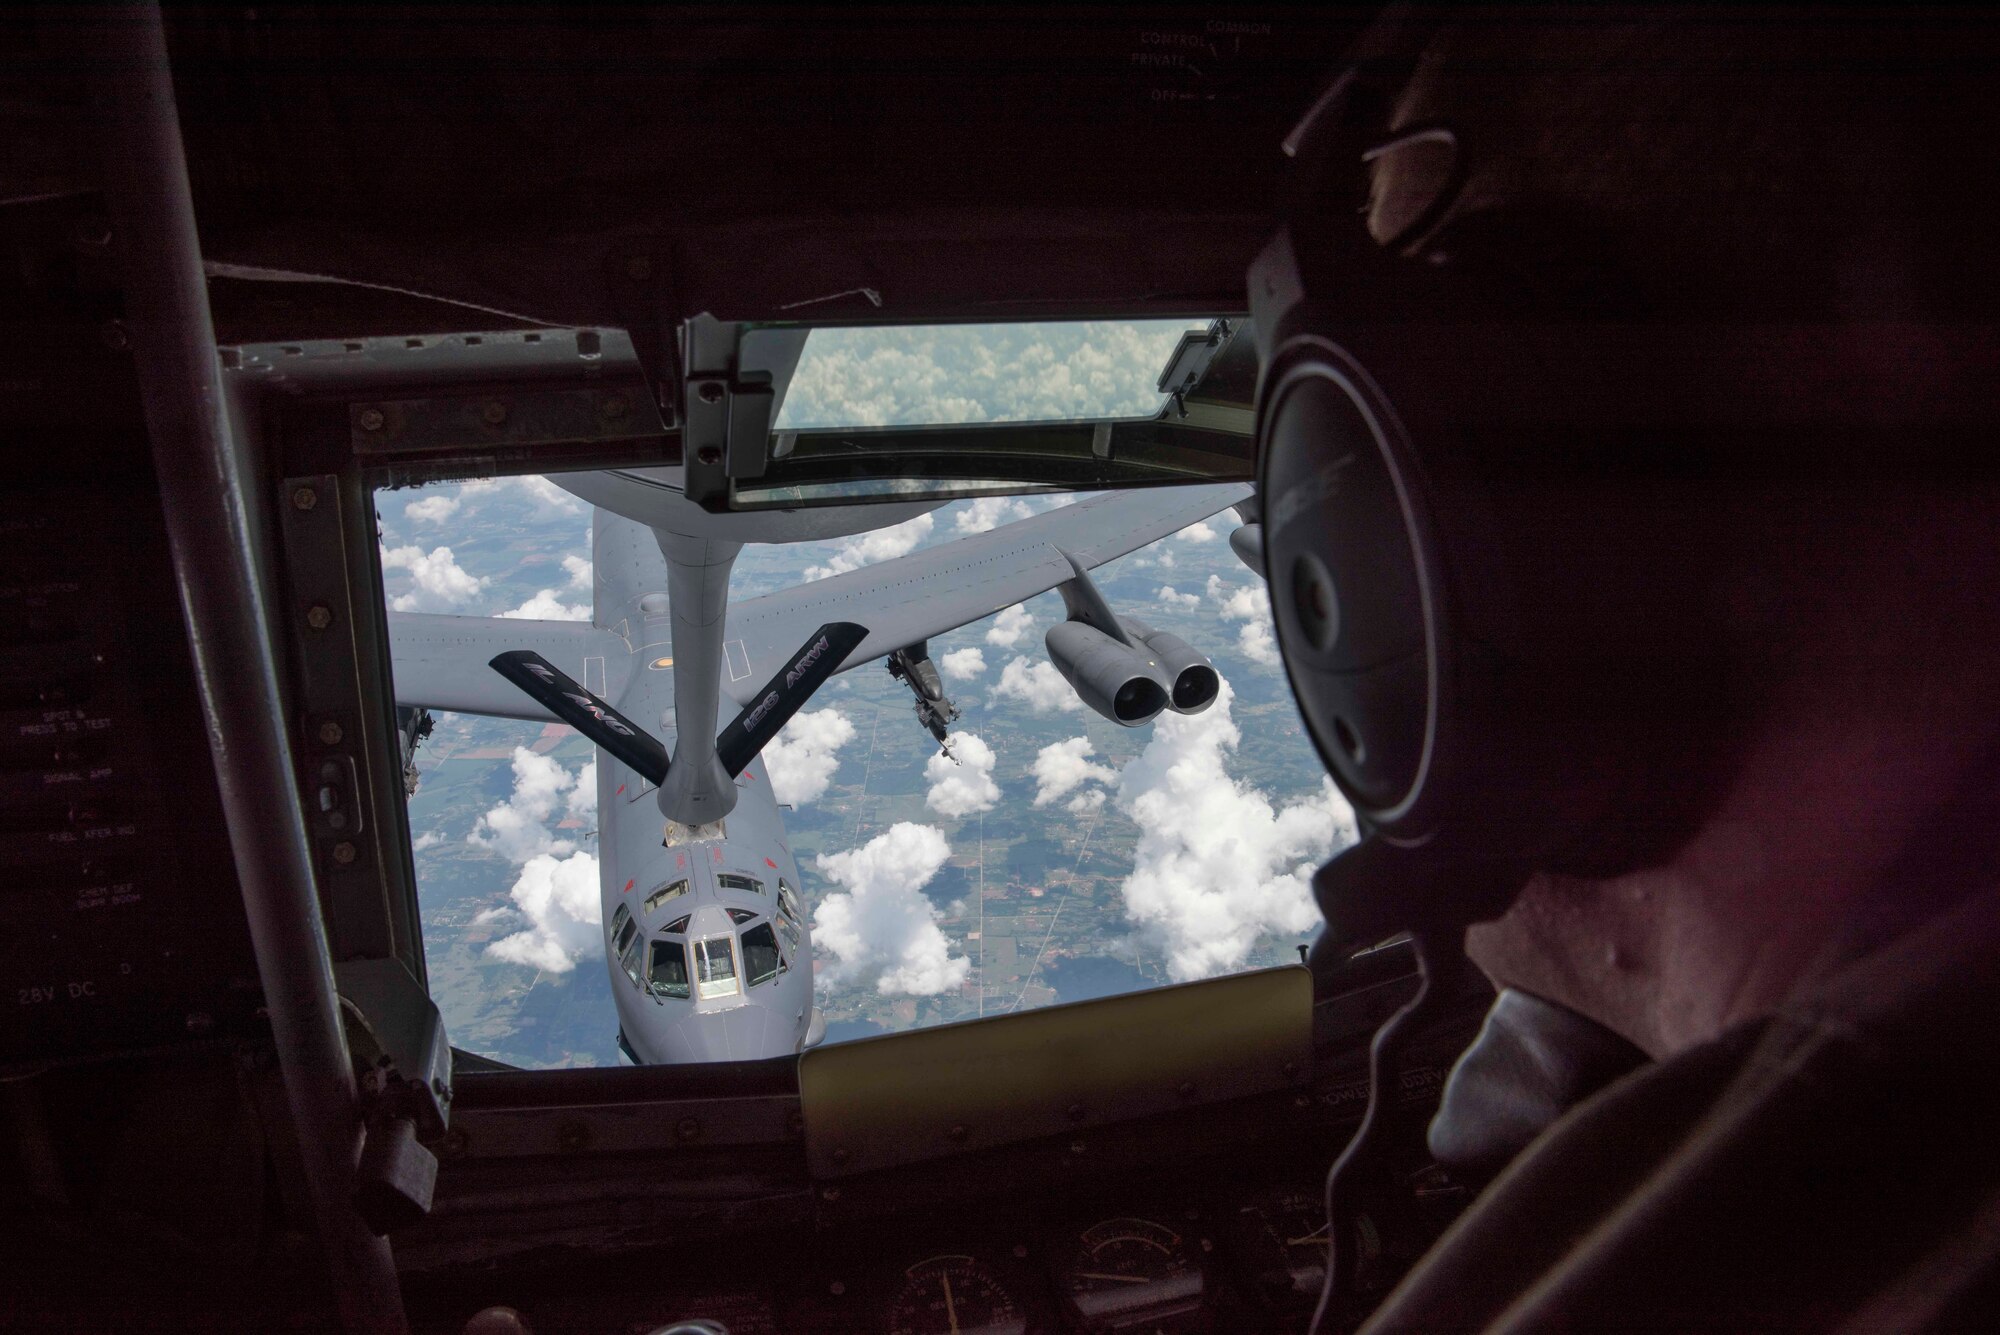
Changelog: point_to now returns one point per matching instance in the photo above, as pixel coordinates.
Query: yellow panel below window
(903, 1098)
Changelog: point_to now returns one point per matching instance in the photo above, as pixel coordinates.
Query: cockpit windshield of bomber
(969, 826)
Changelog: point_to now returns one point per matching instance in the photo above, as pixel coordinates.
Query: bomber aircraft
(707, 943)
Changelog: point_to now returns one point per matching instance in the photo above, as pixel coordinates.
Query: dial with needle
(950, 1311)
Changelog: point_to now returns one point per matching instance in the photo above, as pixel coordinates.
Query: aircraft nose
(742, 1034)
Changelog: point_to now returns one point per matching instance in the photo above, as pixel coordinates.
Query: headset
(1495, 641)
(1497, 635)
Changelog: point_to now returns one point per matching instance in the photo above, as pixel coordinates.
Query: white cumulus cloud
(1259, 643)
(989, 512)
(579, 569)
(884, 544)
(1061, 767)
(559, 897)
(879, 925)
(556, 889)
(1173, 597)
(962, 664)
(432, 509)
(802, 759)
(437, 581)
(1217, 866)
(1197, 532)
(1248, 603)
(962, 783)
(1010, 627)
(520, 828)
(547, 605)
(1086, 803)
(1037, 685)
(549, 499)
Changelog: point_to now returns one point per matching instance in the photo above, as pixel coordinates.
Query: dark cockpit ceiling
(845, 162)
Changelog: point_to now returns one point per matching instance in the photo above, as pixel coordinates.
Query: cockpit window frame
(624, 931)
(777, 954)
(629, 952)
(660, 991)
(667, 893)
(703, 953)
(742, 883)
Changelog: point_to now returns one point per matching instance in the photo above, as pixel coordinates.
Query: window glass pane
(910, 375)
(741, 916)
(673, 890)
(731, 881)
(760, 954)
(508, 546)
(626, 931)
(628, 958)
(715, 964)
(667, 971)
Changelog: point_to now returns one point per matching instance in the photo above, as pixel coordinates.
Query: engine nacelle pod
(1194, 682)
(1247, 541)
(1112, 678)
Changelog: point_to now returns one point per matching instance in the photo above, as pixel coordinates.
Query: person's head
(1689, 445)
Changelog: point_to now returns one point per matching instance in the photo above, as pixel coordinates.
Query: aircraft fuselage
(707, 950)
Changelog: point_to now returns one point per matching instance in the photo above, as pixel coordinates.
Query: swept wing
(441, 661)
(941, 588)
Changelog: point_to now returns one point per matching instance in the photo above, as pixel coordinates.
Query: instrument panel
(1197, 1261)
(1153, 1268)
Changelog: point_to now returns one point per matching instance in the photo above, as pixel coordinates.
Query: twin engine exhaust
(1120, 666)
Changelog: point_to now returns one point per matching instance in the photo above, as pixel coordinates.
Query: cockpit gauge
(1279, 1241)
(955, 1295)
(1127, 1271)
